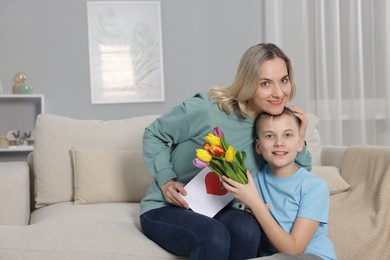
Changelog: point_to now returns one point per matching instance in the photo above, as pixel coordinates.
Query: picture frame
(125, 52)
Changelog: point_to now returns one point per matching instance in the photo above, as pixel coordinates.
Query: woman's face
(273, 90)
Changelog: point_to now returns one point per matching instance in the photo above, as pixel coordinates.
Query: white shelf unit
(19, 112)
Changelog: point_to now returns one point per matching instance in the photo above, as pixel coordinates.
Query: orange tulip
(217, 150)
(207, 147)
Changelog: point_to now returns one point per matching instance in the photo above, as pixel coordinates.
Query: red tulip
(217, 150)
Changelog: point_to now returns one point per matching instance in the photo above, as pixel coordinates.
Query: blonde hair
(234, 98)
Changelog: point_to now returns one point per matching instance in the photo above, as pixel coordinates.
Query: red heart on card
(214, 185)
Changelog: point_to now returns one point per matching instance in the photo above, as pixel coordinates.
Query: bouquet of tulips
(221, 158)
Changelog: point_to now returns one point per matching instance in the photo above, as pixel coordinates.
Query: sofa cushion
(81, 232)
(331, 175)
(56, 135)
(109, 176)
(313, 139)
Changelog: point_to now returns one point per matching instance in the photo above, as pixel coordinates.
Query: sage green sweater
(169, 144)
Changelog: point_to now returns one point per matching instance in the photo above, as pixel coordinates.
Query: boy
(290, 204)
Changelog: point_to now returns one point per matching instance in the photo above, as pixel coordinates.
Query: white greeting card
(206, 194)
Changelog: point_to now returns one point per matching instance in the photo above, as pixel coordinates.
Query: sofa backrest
(58, 139)
(74, 160)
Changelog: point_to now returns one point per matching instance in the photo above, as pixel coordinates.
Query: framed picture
(125, 52)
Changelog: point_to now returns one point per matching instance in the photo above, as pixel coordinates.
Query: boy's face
(279, 141)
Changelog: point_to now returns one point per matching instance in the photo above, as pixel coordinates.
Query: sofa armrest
(14, 193)
(332, 155)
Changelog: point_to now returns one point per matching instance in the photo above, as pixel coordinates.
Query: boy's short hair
(265, 116)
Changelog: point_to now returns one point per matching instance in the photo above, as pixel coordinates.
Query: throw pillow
(331, 175)
(109, 176)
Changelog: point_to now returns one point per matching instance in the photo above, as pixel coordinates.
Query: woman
(264, 83)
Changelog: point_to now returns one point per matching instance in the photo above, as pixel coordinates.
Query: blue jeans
(231, 234)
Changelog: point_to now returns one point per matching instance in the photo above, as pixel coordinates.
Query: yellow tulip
(203, 155)
(229, 155)
(212, 139)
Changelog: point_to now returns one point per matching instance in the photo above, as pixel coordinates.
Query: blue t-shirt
(302, 195)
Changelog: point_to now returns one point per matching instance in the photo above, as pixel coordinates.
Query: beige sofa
(78, 196)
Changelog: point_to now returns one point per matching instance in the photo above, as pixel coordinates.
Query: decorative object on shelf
(13, 137)
(20, 86)
(29, 137)
(19, 79)
(3, 141)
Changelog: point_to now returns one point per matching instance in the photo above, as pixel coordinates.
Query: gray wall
(203, 41)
